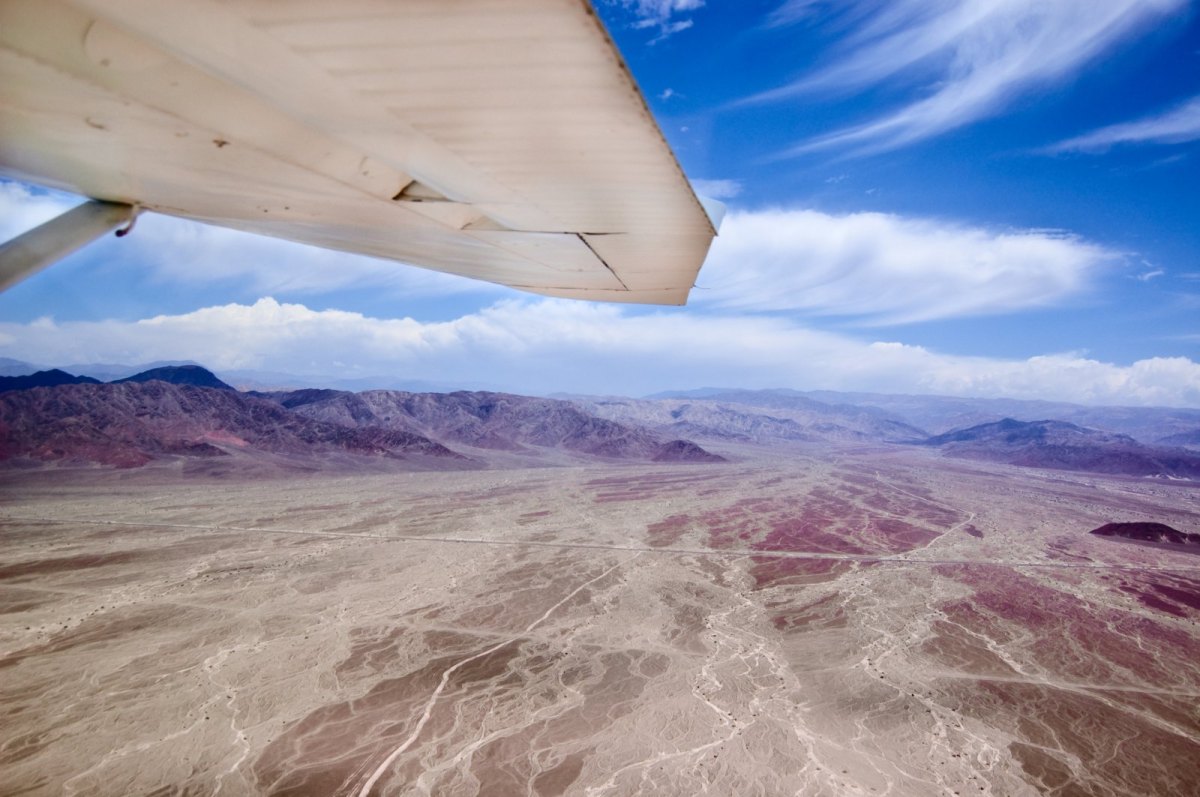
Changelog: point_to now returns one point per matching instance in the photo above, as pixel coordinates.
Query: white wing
(497, 139)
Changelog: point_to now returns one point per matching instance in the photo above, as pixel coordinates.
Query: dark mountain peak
(194, 375)
(684, 451)
(50, 378)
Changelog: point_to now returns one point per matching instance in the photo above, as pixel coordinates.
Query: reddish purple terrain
(856, 515)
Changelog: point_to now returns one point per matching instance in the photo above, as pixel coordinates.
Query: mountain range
(938, 414)
(1064, 446)
(174, 412)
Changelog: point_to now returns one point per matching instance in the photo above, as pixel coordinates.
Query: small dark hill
(194, 375)
(1147, 532)
(1065, 446)
(684, 451)
(43, 379)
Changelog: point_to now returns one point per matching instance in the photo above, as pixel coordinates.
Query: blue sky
(986, 197)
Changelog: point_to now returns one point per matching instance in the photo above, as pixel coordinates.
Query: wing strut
(42, 246)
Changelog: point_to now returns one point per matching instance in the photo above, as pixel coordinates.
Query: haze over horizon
(923, 199)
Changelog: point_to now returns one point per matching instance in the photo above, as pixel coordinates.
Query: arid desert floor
(832, 621)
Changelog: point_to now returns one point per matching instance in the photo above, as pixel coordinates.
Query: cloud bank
(886, 269)
(973, 57)
(545, 345)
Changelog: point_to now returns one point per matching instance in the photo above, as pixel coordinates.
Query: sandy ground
(830, 622)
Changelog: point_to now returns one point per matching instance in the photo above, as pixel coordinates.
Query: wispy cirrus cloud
(667, 17)
(1176, 126)
(885, 269)
(973, 57)
(542, 346)
(791, 12)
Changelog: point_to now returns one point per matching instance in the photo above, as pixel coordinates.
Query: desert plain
(832, 620)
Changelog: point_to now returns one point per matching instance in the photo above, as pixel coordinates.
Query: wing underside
(502, 140)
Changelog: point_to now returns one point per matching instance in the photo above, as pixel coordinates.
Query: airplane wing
(503, 140)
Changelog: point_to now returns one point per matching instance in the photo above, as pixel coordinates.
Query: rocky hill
(179, 375)
(1159, 533)
(1065, 446)
(756, 417)
(495, 421)
(186, 412)
(129, 424)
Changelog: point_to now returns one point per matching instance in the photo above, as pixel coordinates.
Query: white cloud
(717, 189)
(1176, 126)
(1146, 276)
(973, 57)
(547, 345)
(890, 269)
(22, 208)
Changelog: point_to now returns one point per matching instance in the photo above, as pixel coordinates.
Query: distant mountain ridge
(939, 414)
(43, 379)
(186, 412)
(504, 428)
(750, 416)
(496, 421)
(129, 424)
(1065, 446)
(185, 374)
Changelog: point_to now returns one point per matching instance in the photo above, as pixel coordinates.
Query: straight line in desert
(896, 559)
